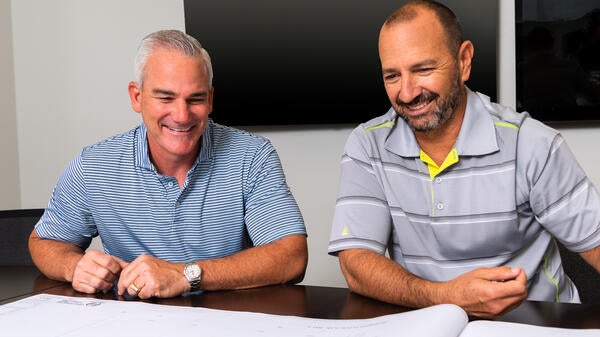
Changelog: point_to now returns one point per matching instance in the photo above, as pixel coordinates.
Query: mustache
(426, 96)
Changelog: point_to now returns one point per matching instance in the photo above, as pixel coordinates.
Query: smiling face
(175, 101)
(423, 78)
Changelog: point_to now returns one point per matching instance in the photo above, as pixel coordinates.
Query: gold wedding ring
(135, 288)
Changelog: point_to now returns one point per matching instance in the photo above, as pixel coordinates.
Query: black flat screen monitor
(558, 59)
(314, 62)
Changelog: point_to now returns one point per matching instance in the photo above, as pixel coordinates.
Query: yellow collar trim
(434, 169)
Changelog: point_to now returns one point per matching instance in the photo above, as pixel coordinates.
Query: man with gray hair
(180, 203)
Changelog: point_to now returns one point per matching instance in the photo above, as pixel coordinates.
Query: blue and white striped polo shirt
(235, 196)
(493, 203)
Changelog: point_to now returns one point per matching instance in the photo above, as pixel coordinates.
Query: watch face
(192, 271)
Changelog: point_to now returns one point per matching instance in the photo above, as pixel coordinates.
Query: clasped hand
(145, 277)
(490, 292)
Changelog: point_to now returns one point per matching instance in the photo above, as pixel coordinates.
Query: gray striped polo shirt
(234, 197)
(511, 187)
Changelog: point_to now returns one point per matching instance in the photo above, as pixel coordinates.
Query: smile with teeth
(179, 129)
(418, 106)
(419, 102)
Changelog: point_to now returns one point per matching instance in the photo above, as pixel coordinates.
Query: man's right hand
(484, 292)
(96, 272)
(488, 292)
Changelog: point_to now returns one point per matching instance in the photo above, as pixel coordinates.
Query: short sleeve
(67, 217)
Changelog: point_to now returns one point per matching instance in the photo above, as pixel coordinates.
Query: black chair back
(583, 275)
(15, 227)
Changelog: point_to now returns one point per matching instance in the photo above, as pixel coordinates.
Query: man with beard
(467, 196)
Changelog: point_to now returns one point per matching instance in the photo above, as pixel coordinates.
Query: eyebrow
(163, 92)
(426, 63)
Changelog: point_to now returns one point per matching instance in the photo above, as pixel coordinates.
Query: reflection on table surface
(16, 281)
(297, 300)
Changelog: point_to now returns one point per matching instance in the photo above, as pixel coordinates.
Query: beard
(441, 111)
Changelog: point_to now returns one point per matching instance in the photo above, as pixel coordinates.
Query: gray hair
(171, 40)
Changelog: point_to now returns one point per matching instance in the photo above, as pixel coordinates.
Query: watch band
(193, 274)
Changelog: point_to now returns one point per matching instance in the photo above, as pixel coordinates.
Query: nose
(180, 112)
(409, 88)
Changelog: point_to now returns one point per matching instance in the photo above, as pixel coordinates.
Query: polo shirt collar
(477, 135)
(142, 155)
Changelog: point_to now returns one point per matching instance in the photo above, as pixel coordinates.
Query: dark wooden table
(20, 281)
(297, 300)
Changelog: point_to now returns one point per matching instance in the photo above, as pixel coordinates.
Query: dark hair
(445, 15)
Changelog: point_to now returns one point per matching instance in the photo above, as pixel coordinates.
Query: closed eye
(425, 71)
(391, 77)
(164, 99)
(165, 96)
(195, 101)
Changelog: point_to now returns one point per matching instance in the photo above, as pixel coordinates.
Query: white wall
(10, 197)
(72, 62)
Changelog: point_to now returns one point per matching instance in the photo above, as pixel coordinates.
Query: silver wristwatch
(193, 273)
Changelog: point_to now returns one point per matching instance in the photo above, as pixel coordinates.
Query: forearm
(482, 292)
(57, 260)
(592, 257)
(374, 275)
(283, 261)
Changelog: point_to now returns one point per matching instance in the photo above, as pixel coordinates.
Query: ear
(135, 95)
(465, 56)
